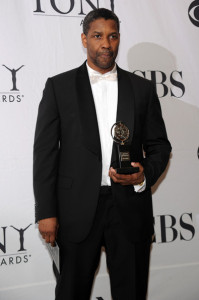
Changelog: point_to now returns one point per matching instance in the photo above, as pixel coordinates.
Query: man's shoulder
(136, 79)
(70, 74)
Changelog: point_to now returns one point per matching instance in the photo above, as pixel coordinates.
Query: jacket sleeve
(45, 156)
(156, 146)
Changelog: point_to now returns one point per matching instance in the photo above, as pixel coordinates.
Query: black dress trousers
(127, 263)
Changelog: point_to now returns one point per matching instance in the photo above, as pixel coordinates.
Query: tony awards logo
(12, 248)
(69, 8)
(13, 94)
(120, 134)
(14, 78)
(21, 236)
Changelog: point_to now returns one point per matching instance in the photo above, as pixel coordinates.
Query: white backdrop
(159, 41)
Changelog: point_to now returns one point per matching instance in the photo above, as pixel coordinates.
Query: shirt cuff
(140, 188)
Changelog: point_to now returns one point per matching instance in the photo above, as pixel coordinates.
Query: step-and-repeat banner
(159, 41)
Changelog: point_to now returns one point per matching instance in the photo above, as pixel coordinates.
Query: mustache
(110, 53)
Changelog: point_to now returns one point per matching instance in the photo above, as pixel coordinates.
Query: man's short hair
(98, 14)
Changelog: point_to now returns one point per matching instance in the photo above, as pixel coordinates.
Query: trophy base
(130, 170)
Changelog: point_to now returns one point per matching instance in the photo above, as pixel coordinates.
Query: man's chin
(106, 64)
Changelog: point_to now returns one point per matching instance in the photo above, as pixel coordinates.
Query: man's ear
(84, 40)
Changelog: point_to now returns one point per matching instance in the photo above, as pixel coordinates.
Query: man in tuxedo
(81, 200)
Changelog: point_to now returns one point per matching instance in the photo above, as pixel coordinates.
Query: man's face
(102, 42)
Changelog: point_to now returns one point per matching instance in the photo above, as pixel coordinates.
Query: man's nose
(106, 43)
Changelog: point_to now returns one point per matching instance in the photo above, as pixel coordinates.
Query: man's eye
(114, 37)
(97, 36)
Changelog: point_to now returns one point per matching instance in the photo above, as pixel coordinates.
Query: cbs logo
(193, 12)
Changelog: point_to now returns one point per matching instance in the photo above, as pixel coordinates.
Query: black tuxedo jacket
(67, 153)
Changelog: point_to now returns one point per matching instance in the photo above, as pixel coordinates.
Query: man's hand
(129, 179)
(48, 229)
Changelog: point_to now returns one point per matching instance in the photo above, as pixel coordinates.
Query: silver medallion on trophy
(120, 134)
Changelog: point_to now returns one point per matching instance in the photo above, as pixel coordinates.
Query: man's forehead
(101, 24)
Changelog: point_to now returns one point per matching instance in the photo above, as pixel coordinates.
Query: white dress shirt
(105, 94)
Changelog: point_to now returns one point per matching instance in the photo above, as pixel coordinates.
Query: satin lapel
(88, 117)
(125, 107)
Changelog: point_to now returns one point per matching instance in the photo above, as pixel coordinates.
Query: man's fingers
(125, 178)
(43, 235)
(49, 238)
(137, 164)
(120, 180)
(113, 171)
(128, 179)
(52, 240)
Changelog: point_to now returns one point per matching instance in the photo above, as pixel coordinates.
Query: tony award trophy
(120, 135)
